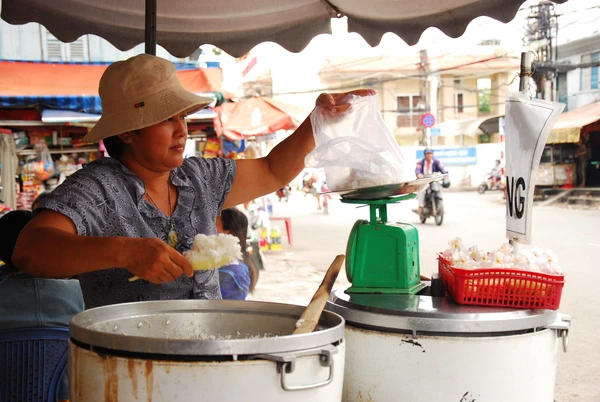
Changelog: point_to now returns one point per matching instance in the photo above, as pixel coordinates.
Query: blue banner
(453, 156)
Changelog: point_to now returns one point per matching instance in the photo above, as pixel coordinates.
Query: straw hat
(139, 92)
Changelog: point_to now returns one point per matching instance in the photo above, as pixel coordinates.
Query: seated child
(28, 302)
(237, 279)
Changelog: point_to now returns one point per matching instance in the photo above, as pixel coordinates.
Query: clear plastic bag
(44, 165)
(355, 147)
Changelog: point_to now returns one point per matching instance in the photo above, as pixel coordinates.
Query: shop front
(46, 120)
(571, 157)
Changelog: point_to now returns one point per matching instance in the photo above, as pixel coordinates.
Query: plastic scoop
(312, 313)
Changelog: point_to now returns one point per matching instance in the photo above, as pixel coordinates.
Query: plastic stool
(32, 362)
(288, 226)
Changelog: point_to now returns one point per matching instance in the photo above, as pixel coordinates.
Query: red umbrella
(257, 116)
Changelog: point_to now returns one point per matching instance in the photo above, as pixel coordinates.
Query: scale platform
(389, 190)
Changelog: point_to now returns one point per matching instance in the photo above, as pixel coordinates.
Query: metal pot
(429, 349)
(208, 350)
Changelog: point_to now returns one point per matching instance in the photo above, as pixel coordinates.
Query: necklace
(172, 234)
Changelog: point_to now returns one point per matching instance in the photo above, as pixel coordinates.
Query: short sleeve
(217, 173)
(82, 198)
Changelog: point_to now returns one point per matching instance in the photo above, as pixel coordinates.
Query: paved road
(294, 275)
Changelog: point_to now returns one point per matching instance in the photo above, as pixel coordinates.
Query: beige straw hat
(139, 92)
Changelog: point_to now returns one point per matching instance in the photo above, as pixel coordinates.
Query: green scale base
(381, 256)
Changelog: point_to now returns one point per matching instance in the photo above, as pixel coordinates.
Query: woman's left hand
(335, 101)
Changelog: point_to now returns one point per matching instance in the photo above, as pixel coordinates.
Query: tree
(483, 100)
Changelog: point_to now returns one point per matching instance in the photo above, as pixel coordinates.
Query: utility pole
(540, 35)
(423, 105)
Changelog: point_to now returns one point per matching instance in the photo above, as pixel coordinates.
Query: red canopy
(257, 116)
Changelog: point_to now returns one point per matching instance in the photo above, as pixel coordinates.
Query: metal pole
(150, 29)
(525, 71)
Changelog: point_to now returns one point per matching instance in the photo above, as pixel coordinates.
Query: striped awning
(568, 127)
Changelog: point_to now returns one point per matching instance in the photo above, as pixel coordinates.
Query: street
(293, 275)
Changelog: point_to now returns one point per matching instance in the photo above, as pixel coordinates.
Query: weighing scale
(382, 256)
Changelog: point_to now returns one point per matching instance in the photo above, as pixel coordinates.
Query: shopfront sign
(453, 156)
(528, 125)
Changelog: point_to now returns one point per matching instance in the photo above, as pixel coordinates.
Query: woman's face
(160, 147)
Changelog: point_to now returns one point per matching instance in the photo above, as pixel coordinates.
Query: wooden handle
(312, 313)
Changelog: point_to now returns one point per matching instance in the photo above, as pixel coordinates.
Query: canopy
(257, 116)
(568, 127)
(74, 86)
(237, 26)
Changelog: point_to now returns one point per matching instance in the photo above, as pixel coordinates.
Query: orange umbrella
(257, 116)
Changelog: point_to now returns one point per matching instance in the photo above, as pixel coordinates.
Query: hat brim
(157, 107)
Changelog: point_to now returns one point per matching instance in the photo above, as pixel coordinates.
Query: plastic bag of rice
(212, 252)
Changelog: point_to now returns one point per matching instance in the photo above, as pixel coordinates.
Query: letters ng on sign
(528, 124)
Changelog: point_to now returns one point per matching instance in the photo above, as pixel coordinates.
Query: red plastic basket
(502, 287)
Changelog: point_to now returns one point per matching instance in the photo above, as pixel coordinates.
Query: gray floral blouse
(106, 199)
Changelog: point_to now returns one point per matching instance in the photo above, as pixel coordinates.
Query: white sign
(528, 124)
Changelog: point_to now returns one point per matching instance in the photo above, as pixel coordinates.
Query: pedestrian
(135, 212)
(583, 156)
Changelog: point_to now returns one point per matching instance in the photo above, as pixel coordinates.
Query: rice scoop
(211, 252)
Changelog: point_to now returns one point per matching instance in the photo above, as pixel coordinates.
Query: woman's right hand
(154, 260)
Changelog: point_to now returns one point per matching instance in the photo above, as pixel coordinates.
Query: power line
(355, 84)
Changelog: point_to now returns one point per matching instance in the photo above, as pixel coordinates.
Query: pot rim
(83, 328)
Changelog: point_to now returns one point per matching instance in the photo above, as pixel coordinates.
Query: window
(589, 75)
(410, 108)
(484, 94)
(458, 103)
(55, 50)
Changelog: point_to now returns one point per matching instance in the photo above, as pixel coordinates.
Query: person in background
(583, 156)
(426, 167)
(496, 174)
(29, 302)
(237, 279)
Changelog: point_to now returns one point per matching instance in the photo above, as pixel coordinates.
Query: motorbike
(434, 202)
(284, 193)
(487, 184)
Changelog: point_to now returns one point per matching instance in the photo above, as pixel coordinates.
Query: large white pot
(382, 366)
(415, 348)
(156, 351)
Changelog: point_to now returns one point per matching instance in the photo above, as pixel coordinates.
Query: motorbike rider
(496, 174)
(426, 167)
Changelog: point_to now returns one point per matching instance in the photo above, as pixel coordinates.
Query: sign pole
(524, 74)
(525, 70)
(528, 125)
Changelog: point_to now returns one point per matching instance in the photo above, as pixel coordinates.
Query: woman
(238, 279)
(134, 213)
